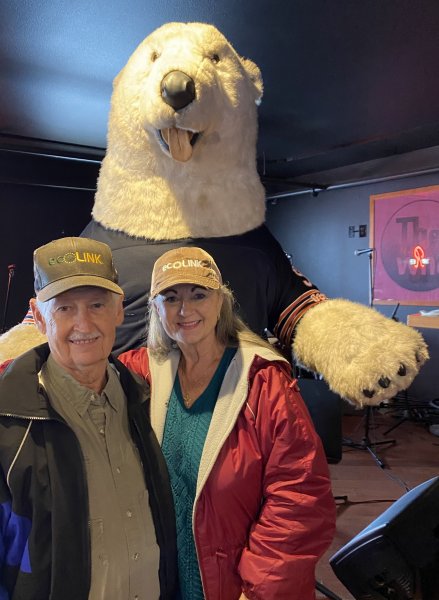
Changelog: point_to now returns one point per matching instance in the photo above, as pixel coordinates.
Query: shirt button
(129, 513)
(117, 470)
(136, 556)
(136, 597)
(102, 431)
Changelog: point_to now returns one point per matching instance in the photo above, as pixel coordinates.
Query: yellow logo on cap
(185, 263)
(71, 257)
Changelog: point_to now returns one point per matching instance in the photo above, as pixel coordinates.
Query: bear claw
(402, 370)
(384, 382)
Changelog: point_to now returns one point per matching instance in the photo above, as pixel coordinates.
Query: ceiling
(351, 86)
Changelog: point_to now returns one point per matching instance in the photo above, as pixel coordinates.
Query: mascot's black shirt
(253, 264)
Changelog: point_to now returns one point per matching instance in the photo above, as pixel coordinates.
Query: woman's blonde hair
(230, 329)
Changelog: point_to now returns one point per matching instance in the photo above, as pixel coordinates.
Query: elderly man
(86, 509)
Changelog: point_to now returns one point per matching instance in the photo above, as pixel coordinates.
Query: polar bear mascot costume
(180, 169)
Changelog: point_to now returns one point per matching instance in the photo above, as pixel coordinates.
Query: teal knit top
(183, 440)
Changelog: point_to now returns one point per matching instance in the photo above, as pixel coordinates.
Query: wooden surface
(370, 490)
(418, 320)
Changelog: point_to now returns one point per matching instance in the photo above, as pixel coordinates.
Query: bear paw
(365, 357)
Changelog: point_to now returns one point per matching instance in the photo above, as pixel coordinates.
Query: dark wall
(30, 217)
(315, 232)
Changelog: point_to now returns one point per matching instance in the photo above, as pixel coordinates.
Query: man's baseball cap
(73, 262)
(185, 265)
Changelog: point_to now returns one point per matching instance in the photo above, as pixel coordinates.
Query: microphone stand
(11, 272)
(366, 443)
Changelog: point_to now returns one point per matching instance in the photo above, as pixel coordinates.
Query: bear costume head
(181, 158)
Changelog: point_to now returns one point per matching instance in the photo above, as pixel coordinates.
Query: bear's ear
(118, 76)
(254, 73)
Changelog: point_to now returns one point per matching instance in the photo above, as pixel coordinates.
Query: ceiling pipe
(49, 185)
(51, 155)
(315, 190)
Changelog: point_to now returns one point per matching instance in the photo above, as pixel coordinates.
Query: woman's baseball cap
(185, 265)
(73, 262)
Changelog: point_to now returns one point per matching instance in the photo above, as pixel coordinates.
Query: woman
(250, 481)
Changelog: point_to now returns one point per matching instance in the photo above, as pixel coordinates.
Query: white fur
(19, 339)
(353, 346)
(142, 190)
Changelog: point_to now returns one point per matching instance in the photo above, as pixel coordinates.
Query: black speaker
(326, 411)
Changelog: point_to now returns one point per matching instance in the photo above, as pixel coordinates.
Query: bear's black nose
(178, 89)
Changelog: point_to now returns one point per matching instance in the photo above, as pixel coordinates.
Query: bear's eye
(154, 56)
(215, 58)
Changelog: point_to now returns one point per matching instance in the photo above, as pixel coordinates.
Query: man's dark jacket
(44, 535)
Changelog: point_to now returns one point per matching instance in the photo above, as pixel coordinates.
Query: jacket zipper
(27, 417)
(196, 547)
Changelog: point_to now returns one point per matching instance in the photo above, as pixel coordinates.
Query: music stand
(415, 411)
(366, 443)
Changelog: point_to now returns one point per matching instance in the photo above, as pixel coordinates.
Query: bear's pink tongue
(179, 142)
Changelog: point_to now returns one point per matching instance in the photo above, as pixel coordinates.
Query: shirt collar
(78, 395)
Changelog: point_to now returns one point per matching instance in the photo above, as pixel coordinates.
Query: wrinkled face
(80, 326)
(189, 313)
